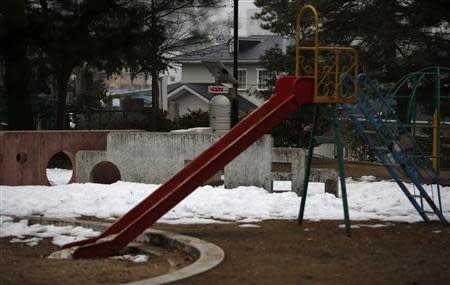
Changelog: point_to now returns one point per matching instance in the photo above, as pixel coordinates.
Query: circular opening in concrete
(21, 157)
(59, 169)
(105, 172)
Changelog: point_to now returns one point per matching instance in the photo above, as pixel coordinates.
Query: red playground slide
(290, 92)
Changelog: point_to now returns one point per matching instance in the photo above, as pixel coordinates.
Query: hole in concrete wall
(105, 172)
(281, 167)
(21, 157)
(59, 169)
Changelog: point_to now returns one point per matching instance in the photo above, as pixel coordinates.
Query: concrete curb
(207, 255)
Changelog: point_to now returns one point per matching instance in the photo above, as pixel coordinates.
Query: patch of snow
(357, 226)
(66, 253)
(437, 232)
(58, 176)
(192, 130)
(378, 200)
(60, 235)
(30, 241)
(133, 258)
(368, 178)
(282, 186)
(249, 226)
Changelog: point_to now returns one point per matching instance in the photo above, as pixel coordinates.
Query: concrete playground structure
(145, 157)
(155, 157)
(24, 156)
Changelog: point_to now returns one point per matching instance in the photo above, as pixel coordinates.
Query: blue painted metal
(393, 144)
(382, 156)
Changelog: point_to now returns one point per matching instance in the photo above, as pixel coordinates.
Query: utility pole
(234, 100)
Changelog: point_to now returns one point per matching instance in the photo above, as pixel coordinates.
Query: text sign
(218, 89)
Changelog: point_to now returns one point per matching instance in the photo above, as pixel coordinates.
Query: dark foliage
(110, 35)
(394, 38)
(193, 119)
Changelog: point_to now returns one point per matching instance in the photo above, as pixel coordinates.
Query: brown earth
(354, 169)
(277, 252)
(23, 264)
(357, 169)
(281, 252)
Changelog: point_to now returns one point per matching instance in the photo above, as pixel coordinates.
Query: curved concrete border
(207, 255)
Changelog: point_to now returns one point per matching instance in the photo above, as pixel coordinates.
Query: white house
(192, 92)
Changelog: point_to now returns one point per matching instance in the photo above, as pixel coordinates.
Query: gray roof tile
(250, 48)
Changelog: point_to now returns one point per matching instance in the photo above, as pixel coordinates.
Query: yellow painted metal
(326, 70)
(435, 141)
(297, 37)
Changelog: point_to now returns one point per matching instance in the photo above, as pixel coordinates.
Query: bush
(193, 119)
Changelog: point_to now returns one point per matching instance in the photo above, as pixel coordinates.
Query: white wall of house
(198, 73)
(187, 103)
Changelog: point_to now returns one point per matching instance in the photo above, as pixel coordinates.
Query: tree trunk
(62, 81)
(17, 65)
(155, 92)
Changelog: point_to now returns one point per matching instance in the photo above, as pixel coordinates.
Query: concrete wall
(294, 159)
(155, 157)
(24, 155)
(325, 150)
(252, 167)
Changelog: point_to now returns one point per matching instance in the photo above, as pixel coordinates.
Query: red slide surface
(290, 92)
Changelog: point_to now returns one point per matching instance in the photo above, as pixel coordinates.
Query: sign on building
(217, 89)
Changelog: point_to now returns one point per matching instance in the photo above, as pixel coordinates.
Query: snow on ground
(60, 235)
(368, 200)
(58, 176)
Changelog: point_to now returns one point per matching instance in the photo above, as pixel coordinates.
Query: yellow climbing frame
(326, 64)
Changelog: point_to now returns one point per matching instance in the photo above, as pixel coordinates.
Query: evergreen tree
(13, 50)
(394, 37)
(110, 35)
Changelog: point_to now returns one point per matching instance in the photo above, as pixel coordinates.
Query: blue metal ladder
(394, 146)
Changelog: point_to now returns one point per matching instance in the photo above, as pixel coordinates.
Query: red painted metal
(24, 155)
(290, 93)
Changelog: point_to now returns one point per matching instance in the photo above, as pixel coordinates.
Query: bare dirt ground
(281, 252)
(358, 169)
(276, 252)
(23, 264)
(354, 169)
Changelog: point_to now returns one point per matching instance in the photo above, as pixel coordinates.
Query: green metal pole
(340, 155)
(308, 164)
(438, 110)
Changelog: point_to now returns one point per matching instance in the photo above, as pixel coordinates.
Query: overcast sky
(244, 5)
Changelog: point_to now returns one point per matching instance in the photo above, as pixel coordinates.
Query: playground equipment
(328, 66)
(319, 81)
(407, 90)
(395, 147)
(24, 162)
(290, 92)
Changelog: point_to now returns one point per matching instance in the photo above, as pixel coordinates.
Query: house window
(242, 79)
(261, 80)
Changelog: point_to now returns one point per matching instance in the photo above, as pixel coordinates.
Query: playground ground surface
(276, 252)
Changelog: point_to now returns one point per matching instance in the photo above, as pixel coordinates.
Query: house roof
(201, 89)
(250, 49)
